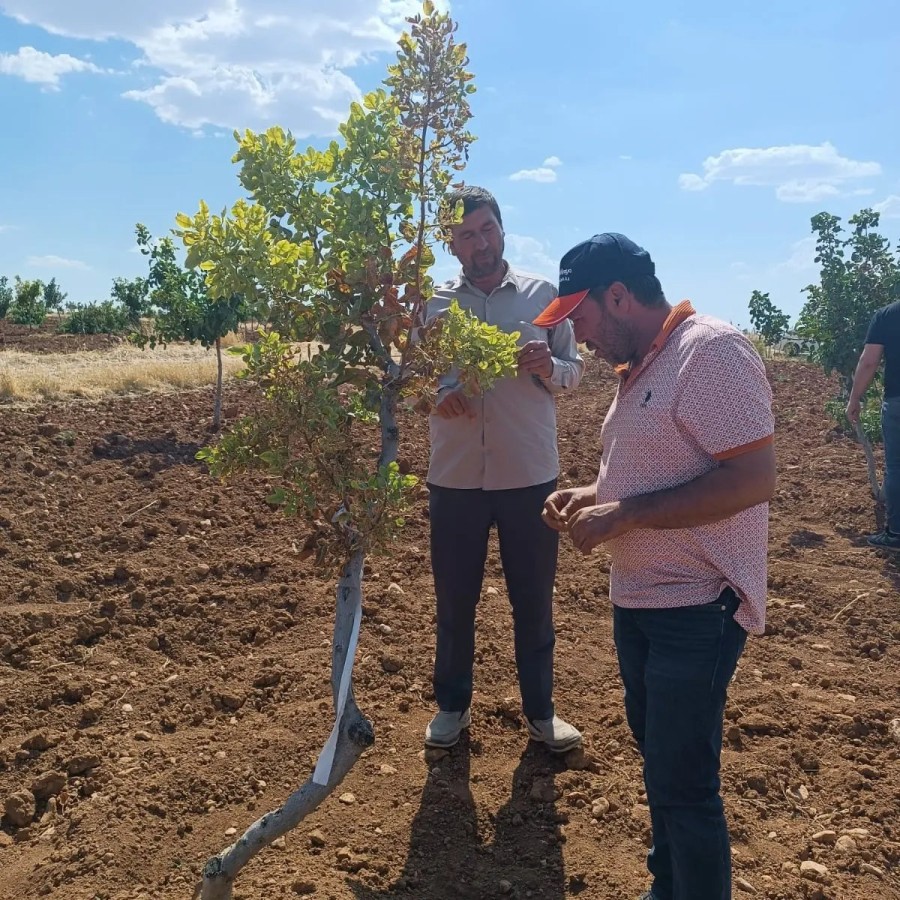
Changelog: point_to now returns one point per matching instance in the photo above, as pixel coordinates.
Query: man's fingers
(535, 358)
(581, 540)
(453, 406)
(550, 513)
(530, 347)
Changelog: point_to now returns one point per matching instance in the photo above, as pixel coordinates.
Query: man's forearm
(717, 495)
(862, 378)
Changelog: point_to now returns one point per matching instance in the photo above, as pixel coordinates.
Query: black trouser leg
(460, 525)
(529, 550)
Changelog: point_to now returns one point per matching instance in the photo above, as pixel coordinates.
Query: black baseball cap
(597, 262)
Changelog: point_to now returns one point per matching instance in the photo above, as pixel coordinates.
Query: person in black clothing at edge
(883, 342)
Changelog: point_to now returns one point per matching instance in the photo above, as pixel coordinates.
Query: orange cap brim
(561, 308)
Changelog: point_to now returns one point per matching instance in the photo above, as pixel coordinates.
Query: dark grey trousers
(461, 521)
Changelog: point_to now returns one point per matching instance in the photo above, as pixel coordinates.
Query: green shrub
(96, 318)
(869, 417)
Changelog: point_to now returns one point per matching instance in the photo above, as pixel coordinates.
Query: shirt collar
(677, 316)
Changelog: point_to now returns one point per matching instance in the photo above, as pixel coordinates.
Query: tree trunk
(352, 735)
(390, 431)
(217, 406)
(874, 483)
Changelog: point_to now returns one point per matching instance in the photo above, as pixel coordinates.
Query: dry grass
(91, 375)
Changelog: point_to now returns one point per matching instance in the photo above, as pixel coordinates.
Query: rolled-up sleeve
(568, 365)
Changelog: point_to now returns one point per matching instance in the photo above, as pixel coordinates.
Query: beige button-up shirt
(511, 441)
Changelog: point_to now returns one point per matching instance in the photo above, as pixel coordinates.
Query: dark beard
(476, 272)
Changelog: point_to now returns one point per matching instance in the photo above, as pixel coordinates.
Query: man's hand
(595, 525)
(453, 404)
(560, 506)
(853, 410)
(535, 359)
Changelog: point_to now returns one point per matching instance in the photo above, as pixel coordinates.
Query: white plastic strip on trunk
(326, 758)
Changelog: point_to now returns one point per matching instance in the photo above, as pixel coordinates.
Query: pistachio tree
(53, 296)
(6, 296)
(180, 307)
(332, 248)
(859, 273)
(769, 322)
(27, 307)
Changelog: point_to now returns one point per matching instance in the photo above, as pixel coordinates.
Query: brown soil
(46, 339)
(164, 667)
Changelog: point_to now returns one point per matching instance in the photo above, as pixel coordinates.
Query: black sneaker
(884, 540)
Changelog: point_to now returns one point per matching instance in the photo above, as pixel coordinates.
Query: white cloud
(237, 63)
(50, 261)
(38, 67)
(552, 162)
(542, 175)
(889, 207)
(800, 173)
(802, 258)
(102, 19)
(807, 191)
(531, 255)
(692, 183)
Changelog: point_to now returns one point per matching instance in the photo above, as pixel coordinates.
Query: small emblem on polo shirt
(646, 399)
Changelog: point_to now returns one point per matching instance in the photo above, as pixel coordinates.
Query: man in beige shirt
(494, 462)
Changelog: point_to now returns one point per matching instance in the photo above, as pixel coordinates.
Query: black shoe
(884, 540)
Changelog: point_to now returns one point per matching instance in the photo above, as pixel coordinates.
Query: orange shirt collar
(677, 315)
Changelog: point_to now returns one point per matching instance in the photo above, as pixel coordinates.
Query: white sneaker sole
(556, 747)
(447, 743)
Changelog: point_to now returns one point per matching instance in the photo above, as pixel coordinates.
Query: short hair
(646, 289)
(473, 198)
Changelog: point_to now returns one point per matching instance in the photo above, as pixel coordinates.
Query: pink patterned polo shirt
(698, 397)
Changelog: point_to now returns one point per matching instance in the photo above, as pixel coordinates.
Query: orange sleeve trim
(744, 448)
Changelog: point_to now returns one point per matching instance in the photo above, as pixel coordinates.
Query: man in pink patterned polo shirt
(681, 504)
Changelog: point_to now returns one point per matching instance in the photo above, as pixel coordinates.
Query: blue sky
(708, 132)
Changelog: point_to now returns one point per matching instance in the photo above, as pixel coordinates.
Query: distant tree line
(170, 304)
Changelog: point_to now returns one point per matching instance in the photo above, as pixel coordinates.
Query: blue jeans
(676, 665)
(890, 428)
